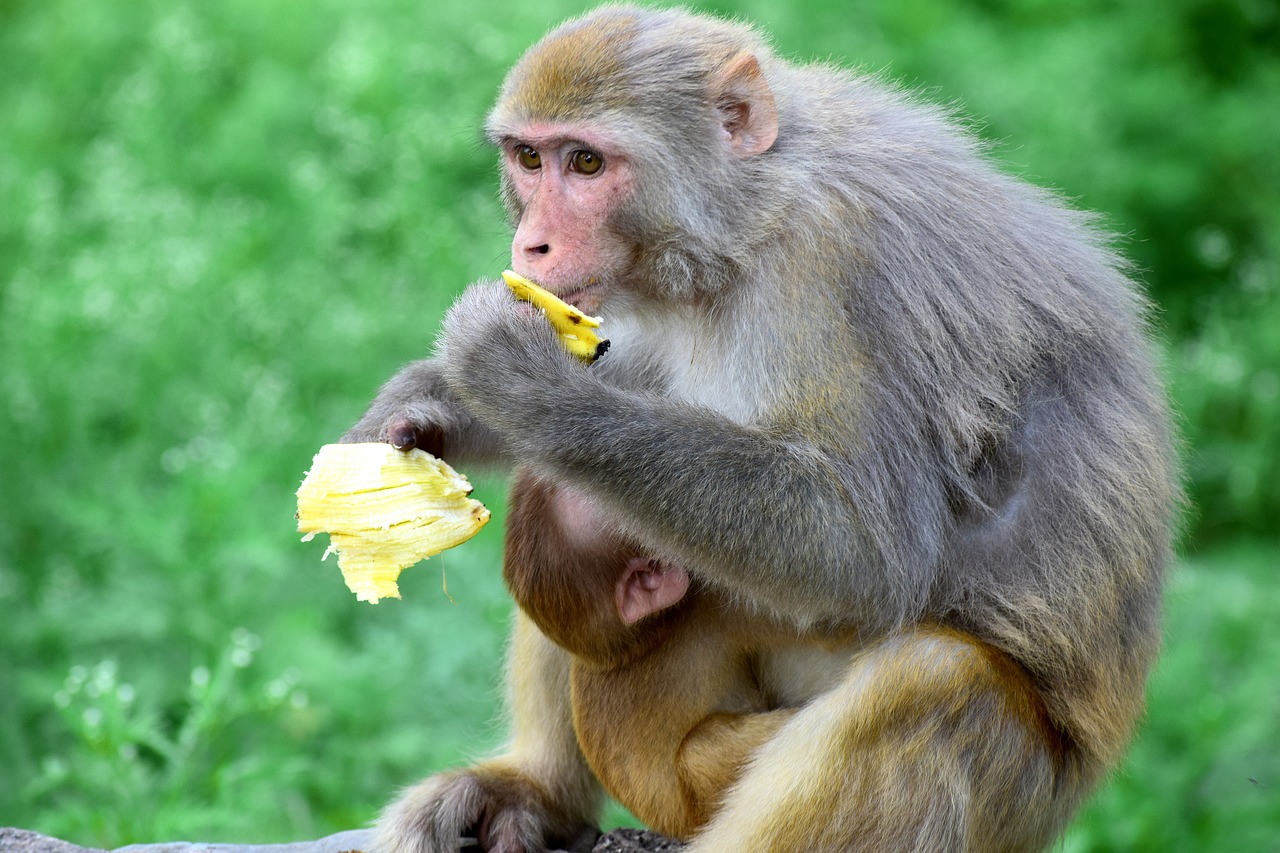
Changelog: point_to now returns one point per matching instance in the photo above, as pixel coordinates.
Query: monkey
(862, 383)
(672, 686)
(665, 744)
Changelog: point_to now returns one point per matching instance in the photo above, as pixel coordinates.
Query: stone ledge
(25, 841)
(352, 841)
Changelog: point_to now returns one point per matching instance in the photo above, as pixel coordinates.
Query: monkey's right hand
(492, 807)
(401, 430)
(416, 408)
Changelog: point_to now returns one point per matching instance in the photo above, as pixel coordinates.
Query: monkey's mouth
(587, 298)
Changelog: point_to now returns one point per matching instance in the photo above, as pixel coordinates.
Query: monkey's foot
(484, 808)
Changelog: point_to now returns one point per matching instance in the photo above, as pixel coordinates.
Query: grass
(223, 223)
(1204, 771)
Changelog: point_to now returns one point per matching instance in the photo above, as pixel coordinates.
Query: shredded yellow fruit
(384, 510)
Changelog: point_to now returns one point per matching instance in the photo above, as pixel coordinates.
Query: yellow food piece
(572, 325)
(384, 510)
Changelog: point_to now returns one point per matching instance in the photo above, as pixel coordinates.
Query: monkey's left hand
(505, 360)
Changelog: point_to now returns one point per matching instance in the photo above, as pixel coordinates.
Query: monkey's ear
(748, 115)
(647, 587)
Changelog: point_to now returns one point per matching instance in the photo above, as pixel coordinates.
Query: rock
(353, 841)
(636, 841)
(25, 841)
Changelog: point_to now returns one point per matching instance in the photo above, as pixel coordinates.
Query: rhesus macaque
(673, 686)
(862, 386)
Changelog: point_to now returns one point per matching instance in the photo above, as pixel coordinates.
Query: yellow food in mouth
(573, 327)
(384, 510)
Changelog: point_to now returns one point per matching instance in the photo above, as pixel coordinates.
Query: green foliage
(1227, 379)
(222, 223)
(1203, 773)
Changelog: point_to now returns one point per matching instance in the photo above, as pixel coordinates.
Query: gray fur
(419, 395)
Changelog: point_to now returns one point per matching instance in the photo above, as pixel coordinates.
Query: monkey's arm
(539, 794)
(416, 408)
(771, 515)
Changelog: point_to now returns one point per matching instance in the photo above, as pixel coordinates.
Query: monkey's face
(623, 159)
(563, 185)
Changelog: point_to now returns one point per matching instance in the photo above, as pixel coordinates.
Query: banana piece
(384, 510)
(572, 325)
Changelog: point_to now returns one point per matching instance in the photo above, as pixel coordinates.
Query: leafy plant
(222, 223)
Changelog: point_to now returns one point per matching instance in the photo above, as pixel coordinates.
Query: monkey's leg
(713, 755)
(538, 794)
(933, 741)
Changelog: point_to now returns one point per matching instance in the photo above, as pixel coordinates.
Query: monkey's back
(1011, 429)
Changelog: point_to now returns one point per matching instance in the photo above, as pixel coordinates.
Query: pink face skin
(569, 180)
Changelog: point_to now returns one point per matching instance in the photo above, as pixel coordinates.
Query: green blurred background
(224, 222)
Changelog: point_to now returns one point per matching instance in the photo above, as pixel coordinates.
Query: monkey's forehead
(618, 59)
(564, 76)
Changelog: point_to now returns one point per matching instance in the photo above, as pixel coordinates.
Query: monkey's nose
(533, 255)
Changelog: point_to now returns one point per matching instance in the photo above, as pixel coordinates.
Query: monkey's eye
(585, 162)
(529, 157)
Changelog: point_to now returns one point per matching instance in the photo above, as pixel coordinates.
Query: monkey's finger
(402, 435)
(406, 435)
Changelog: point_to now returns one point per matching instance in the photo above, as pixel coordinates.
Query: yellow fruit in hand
(572, 325)
(384, 510)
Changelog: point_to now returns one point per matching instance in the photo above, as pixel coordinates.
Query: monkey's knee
(933, 741)
(958, 728)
